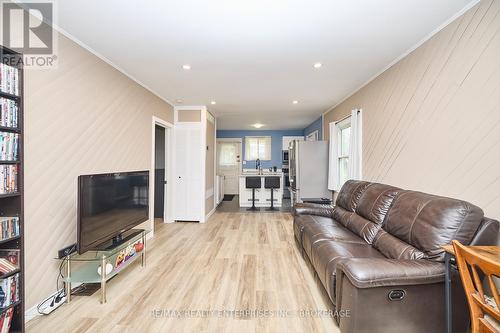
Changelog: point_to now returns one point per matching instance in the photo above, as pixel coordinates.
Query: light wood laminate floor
(235, 261)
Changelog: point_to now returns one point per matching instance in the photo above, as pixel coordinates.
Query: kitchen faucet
(257, 165)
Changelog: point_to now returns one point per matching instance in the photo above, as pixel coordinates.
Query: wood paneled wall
(83, 117)
(432, 121)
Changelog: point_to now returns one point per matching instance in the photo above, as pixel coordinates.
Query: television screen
(110, 204)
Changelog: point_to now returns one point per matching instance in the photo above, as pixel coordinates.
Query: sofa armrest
(380, 272)
(313, 209)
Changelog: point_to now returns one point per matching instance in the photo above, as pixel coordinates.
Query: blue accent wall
(276, 144)
(316, 125)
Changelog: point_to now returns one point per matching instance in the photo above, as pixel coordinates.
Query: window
(227, 154)
(257, 147)
(344, 140)
(345, 158)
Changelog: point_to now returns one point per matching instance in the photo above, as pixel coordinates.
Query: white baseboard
(210, 213)
(32, 313)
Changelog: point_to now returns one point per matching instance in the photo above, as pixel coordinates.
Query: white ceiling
(254, 57)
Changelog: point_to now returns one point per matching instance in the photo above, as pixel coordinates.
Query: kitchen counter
(262, 194)
(255, 174)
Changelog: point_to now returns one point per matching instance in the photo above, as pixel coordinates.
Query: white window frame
(262, 158)
(342, 125)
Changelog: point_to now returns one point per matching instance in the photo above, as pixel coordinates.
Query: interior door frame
(167, 206)
(240, 140)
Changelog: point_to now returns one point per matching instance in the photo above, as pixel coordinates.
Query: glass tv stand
(87, 267)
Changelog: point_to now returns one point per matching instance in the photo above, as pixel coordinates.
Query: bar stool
(253, 183)
(272, 182)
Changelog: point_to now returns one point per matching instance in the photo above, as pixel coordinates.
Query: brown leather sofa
(378, 254)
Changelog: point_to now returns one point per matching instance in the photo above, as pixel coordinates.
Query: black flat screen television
(109, 205)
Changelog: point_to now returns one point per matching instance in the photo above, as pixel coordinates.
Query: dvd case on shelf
(9, 146)
(8, 112)
(9, 227)
(6, 320)
(9, 290)
(8, 178)
(9, 79)
(9, 261)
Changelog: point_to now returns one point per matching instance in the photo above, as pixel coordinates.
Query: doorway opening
(159, 208)
(160, 181)
(229, 165)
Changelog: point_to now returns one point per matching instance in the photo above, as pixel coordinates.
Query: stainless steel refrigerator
(308, 162)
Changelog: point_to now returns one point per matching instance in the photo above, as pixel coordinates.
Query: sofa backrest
(427, 222)
(487, 234)
(371, 210)
(348, 199)
(394, 248)
(350, 194)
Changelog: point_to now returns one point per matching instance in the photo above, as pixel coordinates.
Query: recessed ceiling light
(186, 67)
(179, 101)
(213, 102)
(317, 65)
(295, 102)
(258, 125)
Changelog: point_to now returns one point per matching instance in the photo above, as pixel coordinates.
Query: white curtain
(257, 147)
(333, 179)
(355, 156)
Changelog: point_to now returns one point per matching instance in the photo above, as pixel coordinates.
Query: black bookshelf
(12, 204)
(7, 95)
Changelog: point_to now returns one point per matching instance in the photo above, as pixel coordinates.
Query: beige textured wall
(432, 121)
(85, 117)
(209, 164)
(189, 116)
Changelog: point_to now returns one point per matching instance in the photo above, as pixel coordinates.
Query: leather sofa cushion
(304, 209)
(363, 227)
(371, 210)
(394, 248)
(315, 232)
(376, 201)
(301, 221)
(310, 222)
(350, 193)
(326, 254)
(428, 221)
(313, 209)
(341, 215)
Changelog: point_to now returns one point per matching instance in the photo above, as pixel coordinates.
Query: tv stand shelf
(86, 267)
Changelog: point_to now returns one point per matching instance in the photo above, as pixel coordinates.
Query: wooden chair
(484, 311)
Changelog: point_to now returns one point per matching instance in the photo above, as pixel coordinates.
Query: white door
(229, 164)
(188, 197)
